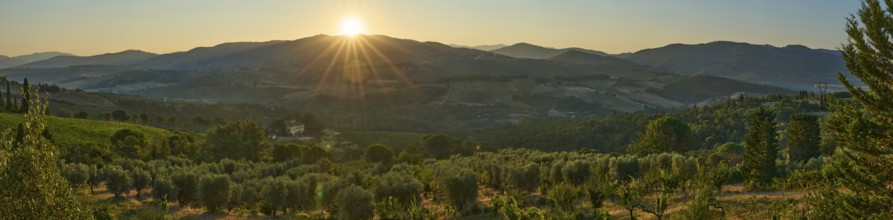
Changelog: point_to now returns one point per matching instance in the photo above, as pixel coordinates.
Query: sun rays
(349, 66)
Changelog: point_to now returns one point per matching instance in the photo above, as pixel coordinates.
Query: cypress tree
(760, 150)
(9, 106)
(25, 95)
(859, 186)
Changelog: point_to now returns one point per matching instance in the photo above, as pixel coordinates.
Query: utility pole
(822, 87)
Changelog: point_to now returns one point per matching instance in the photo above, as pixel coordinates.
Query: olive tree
(403, 188)
(141, 180)
(355, 204)
(77, 174)
(117, 180)
(187, 186)
(214, 191)
(164, 189)
(461, 187)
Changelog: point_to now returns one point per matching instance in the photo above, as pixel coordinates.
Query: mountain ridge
(23, 59)
(531, 51)
(793, 66)
(127, 57)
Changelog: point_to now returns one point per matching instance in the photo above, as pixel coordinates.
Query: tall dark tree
(82, 115)
(182, 144)
(665, 134)
(5, 107)
(310, 153)
(144, 118)
(130, 143)
(278, 127)
(760, 149)
(9, 106)
(26, 94)
(803, 137)
(285, 152)
(378, 153)
(236, 140)
(861, 187)
(312, 125)
(120, 115)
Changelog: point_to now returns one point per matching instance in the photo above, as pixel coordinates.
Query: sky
(90, 27)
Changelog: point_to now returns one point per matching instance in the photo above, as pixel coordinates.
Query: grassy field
(83, 132)
(390, 138)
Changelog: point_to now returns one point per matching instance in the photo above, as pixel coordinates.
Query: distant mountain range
(481, 47)
(530, 51)
(127, 57)
(7, 62)
(794, 67)
(525, 79)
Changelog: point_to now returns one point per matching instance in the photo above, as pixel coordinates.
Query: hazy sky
(88, 27)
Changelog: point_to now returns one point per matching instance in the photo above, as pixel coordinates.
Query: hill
(70, 132)
(793, 67)
(127, 57)
(19, 60)
(353, 79)
(709, 87)
(586, 58)
(530, 51)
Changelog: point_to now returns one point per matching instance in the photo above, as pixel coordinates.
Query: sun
(351, 26)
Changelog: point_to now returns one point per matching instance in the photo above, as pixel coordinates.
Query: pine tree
(860, 186)
(803, 137)
(760, 150)
(33, 186)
